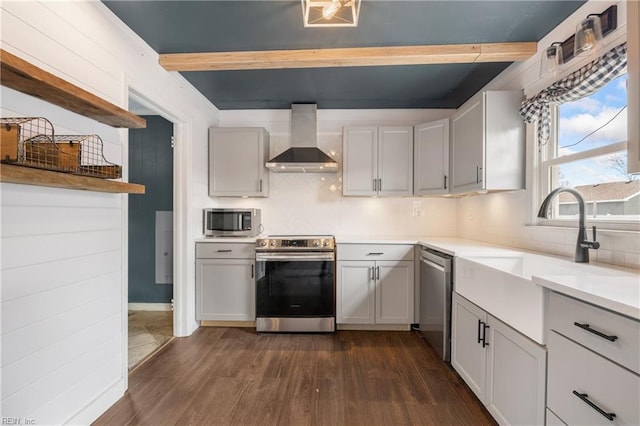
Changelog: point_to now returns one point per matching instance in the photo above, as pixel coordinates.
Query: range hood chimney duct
(304, 156)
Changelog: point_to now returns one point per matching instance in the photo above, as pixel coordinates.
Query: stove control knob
(273, 243)
(325, 243)
(316, 243)
(263, 243)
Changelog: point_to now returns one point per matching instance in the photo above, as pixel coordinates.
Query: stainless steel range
(295, 284)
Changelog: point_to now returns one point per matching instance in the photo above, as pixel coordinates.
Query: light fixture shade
(588, 36)
(330, 13)
(552, 59)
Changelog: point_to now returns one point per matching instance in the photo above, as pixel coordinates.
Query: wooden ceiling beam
(348, 57)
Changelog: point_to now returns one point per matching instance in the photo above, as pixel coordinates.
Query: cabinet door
(394, 292)
(395, 161)
(225, 289)
(355, 303)
(431, 158)
(516, 373)
(468, 357)
(236, 162)
(468, 147)
(360, 160)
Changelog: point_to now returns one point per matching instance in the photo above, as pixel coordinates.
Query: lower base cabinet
(376, 291)
(594, 370)
(505, 369)
(225, 285)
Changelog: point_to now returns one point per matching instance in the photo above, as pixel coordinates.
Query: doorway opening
(150, 235)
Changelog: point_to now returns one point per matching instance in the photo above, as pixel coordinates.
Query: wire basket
(16, 132)
(30, 141)
(90, 159)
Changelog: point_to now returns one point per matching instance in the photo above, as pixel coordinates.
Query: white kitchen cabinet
(375, 291)
(502, 367)
(225, 288)
(516, 374)
(431, 158)
(356, 292)
(488, 144)
(593, 364)
(237, 157)
(468, 356)
(378, 161)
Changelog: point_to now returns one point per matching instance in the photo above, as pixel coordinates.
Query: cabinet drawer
(225, 251)
(564, 312)
(374, 252)
(608, 386)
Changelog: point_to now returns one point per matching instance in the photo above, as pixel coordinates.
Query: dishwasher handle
(433, 265)
(437, 260)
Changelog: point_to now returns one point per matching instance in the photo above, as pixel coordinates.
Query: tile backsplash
(312, 203)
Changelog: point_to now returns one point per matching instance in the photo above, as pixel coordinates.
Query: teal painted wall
(150, 164)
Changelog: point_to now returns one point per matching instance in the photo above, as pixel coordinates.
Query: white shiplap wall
(63, 252)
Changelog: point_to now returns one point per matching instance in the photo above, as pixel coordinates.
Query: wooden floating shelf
(25, 77)
(29, 176)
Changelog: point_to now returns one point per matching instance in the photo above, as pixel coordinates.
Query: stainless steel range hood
(304, 156)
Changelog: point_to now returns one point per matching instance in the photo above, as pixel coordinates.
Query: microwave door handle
(240, 222)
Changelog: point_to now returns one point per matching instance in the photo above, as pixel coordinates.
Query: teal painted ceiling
(218, 26)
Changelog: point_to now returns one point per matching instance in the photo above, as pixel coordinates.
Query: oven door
(295, 285)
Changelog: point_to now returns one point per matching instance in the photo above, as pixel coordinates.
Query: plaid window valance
(583, 82)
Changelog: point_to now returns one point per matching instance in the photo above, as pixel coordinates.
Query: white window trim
(546, 158)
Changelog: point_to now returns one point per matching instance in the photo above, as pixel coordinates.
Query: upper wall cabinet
(488, 144)
(431, 158)
(236, 162)
(378, 161)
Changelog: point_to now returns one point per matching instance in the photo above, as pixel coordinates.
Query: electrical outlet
(418, 210)
(470, 213)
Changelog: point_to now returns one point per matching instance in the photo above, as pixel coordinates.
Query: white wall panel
(31, 368)
(63, 251)
(28, 280)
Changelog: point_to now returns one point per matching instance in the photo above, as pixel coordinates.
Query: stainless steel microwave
(232, 222)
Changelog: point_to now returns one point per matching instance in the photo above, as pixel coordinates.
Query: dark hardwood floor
(233, 376)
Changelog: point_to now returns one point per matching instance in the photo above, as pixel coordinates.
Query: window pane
(607, 190)
(580, 119)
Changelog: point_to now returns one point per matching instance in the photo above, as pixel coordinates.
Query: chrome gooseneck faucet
(583, 244)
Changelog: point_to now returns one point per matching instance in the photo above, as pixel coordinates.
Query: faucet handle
(594, 244)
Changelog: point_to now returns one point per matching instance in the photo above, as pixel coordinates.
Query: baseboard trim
(149, 306)
(374, 327)
(98, 406)
(210, 323)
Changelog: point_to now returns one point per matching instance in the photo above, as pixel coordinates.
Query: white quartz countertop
(618, 292)
(227, 239)
(611, 287)
(448, 245)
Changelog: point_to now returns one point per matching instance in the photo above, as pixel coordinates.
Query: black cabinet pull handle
(480, 328)
(225, 251)
(584, 398)
(445, 181)
(596, 332)
(484, 335)
(375, 254)
(252, 273)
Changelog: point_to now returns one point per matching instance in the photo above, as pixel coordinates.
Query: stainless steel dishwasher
(435, 300)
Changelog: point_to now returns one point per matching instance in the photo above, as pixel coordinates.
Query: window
(588, 152)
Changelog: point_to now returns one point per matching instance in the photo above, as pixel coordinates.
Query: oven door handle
(293, 257)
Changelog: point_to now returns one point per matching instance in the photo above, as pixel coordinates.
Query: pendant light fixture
(330, 13)
(587, 40)
(588, 36)
(552, 59)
